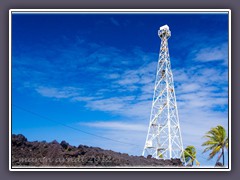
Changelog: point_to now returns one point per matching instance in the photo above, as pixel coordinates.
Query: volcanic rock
(25, 153)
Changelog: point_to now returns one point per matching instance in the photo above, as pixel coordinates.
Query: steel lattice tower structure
(164, 139)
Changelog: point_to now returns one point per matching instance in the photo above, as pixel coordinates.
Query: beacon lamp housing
(164, 32)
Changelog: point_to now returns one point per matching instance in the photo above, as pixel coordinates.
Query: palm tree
(217, 140)
(190, 155)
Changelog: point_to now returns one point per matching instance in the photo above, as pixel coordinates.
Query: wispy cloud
(120, 83)
(114, 21)
(105, 82)
(114, 125)
(202, 99)
(78, 64)
(59, 93)
(125, 106)
(215, 53)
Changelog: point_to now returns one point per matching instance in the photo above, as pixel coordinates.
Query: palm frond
(209, 142)
(214, 152)
(216, 139)
(226, 143)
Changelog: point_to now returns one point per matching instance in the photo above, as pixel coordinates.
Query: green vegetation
(217, 141)
(190, 155)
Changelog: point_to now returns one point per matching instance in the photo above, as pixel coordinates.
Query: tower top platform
(164, 32)
(166, 27)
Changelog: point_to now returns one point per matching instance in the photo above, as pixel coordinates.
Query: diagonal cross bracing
(164, 139)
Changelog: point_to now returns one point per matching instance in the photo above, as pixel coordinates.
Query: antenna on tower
(164, 140)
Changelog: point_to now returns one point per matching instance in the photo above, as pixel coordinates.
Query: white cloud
(129, 80)
(80, 98)
(59, 93)
(199, 90)
(110, 105)
(112, 76)
(191, 87)
(217, 53)
(196, 122)
(125, 106)
(201, 95)
(114, 125)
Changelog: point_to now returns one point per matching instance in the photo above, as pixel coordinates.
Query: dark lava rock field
(25, 153)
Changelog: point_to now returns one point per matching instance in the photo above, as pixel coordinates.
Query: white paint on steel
(164, 140)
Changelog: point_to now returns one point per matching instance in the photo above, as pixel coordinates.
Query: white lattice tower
(164, 139)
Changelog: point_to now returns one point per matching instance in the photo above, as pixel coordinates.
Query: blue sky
(96, 72)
